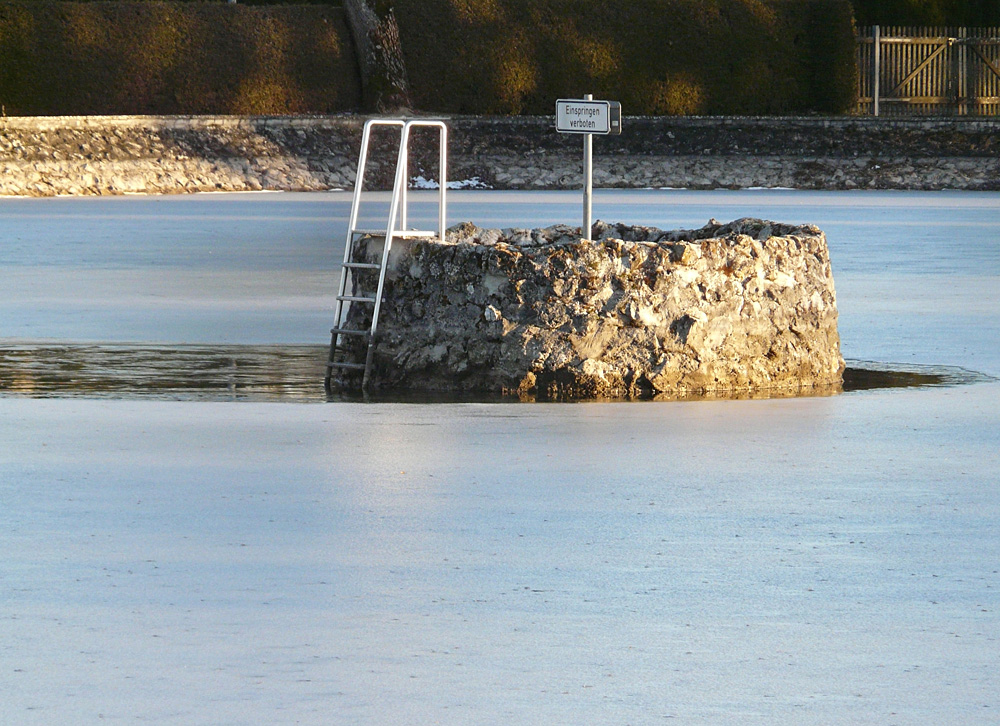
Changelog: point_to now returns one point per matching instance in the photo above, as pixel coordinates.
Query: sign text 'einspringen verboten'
(588, 117)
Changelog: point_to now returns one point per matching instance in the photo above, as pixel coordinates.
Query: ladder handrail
(359, 179)
(404, 160)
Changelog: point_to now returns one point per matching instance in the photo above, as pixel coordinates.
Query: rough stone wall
(738, 308)
(164, 155)
(115, 155)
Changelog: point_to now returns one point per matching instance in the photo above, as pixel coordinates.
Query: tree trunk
(385, 88)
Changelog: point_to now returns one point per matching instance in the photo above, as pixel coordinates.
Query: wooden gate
(905, 71)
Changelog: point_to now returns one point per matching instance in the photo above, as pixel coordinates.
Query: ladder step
(353, 366)
(372, 232)
(355, 298)
(363, 265)
(349, 331)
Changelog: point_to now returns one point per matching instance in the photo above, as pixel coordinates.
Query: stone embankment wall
(741, 308)
(165, 155)
(115, 155)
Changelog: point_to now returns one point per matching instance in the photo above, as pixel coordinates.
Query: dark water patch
(864, 375)
(294, 373)
(175, 372)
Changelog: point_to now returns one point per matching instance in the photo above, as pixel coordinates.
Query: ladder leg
(443, 173)
(328, 378)
(368, 366)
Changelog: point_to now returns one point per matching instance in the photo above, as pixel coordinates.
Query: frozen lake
(807, 561)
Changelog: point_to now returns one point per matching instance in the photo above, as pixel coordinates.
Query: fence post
(876, 35)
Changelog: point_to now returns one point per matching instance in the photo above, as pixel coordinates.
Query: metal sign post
(588, 117)
(588, 180)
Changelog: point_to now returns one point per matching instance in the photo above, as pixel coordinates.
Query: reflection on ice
(208, 373)
(871, 375)
(294, 373)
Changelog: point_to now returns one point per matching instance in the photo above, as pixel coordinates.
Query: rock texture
(49, 156)
(732, 308)
(164, 155)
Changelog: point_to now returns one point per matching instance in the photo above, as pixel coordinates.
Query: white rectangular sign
(588, 117)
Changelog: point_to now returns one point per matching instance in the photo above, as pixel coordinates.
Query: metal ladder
(397, 213)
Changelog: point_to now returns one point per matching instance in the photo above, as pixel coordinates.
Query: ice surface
(806, 561)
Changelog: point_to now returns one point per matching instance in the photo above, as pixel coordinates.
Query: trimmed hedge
(66, 58)
(659, 57)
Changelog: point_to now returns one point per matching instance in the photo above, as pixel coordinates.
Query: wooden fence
(908, 71)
